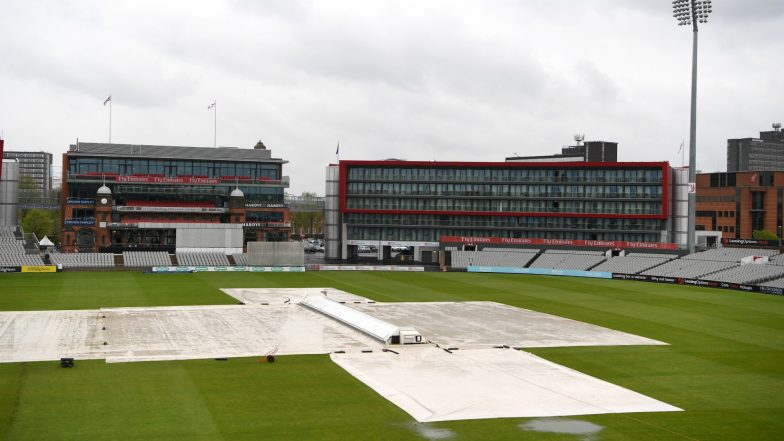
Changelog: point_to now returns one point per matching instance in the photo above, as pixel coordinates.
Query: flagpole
(109, 100)
(215, 131)
(683, 156)
(680, 150)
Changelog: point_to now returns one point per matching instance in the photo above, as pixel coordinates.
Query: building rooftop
(172, 152)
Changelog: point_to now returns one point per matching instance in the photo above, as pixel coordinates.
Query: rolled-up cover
(351, 317)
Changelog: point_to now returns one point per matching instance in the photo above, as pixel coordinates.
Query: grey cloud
(445, 80)
(596, 83)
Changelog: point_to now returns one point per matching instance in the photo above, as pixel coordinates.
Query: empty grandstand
(730, 254)
(82, 260)
(777, 259)
(754, 274)
(12, 249)
(506, 257)
(202, 258)
(141, 259)
(240, 259)
(689, 268)
(569, 259)
(776, 283)
(633, 263)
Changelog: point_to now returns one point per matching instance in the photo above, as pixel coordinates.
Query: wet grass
(723, 364)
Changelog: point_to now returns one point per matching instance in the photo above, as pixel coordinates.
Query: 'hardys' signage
(80, 201)
(82, 222)
(269, 205)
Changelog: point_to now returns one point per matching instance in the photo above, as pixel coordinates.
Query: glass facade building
(765, 153)
(154, 185)
(35, 171)
(402, 201)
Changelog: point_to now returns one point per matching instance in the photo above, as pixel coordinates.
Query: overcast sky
(418, 80)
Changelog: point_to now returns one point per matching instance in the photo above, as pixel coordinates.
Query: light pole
(691, 12)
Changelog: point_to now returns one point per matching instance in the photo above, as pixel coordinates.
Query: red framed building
(416, 203)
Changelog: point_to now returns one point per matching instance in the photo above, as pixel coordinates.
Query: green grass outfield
(724, 365)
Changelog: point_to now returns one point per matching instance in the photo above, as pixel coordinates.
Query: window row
(503, 174)
(500, 190)
(433, 235)
(172, 168)
(513, 206)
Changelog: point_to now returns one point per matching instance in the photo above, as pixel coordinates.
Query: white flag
(212, 105)
(107, 100)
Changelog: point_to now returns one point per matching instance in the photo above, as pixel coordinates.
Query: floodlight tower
(691, 12)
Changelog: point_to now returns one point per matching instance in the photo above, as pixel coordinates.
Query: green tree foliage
(764, 235)
(39, 222)
(308, 222)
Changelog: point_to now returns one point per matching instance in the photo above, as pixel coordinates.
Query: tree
(310, 218)
(39, 222)
(764, 235)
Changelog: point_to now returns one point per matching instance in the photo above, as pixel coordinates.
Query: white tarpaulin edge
(432, 385)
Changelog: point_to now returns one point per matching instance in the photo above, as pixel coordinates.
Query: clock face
(104, 201)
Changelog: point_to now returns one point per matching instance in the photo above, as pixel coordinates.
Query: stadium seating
(688, 268)
(776, 283)
(83, 260)
(141, 259)
(777, 259)
(566, 259)
(508, 257)
(12, 250)
(662, 255)
(750, 273)
(240, 259)
(578, 252)
(729, 254)
(202, 258)
(632, 264)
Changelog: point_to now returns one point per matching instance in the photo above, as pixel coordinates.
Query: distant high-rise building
(35, 169)
(9, 191)
(765, 153)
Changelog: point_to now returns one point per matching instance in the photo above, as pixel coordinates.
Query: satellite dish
(579, 138)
